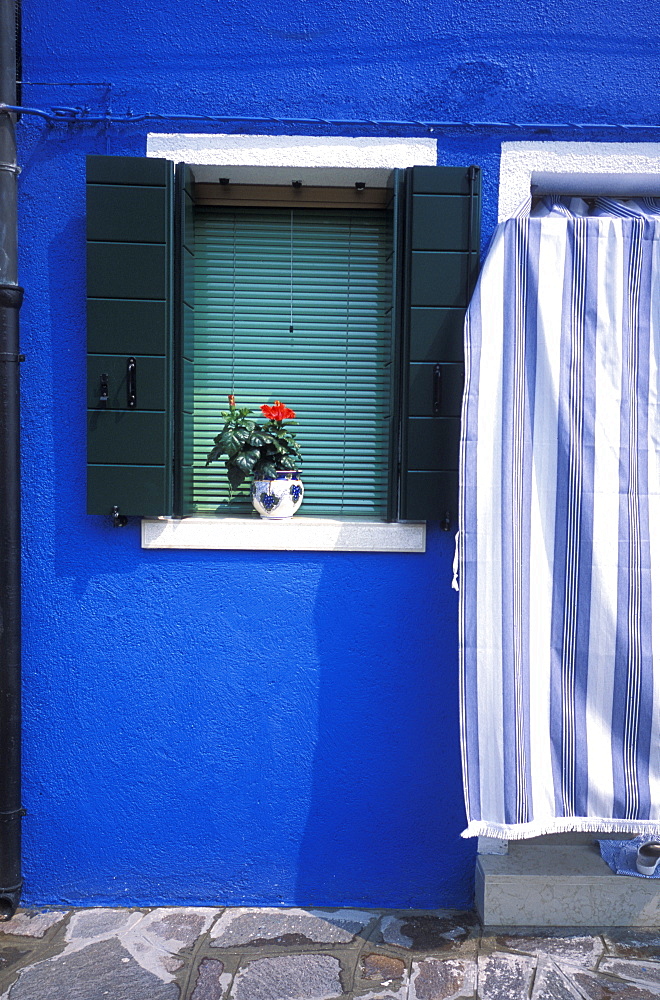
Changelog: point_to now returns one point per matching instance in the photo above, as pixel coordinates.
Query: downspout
(11, 296)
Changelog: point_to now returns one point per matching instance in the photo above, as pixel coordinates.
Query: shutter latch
(118, 520)
(131, 383)
(437, 390)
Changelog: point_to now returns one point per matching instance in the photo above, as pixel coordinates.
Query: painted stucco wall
(261, 728)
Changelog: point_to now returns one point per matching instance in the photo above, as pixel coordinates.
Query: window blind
(327, 274)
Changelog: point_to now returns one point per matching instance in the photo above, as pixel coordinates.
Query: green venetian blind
(327, 273)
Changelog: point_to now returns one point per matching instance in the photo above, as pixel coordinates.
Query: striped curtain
(559, 536)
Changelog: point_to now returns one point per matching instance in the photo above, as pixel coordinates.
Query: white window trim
(302, 534)
(613, 168)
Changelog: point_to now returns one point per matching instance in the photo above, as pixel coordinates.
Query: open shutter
(130, 309)
(440, 263)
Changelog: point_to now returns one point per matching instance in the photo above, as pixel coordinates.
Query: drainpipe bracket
(7, 816)
(9, 900)
(11, 296)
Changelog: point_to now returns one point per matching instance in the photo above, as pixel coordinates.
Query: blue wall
(180, 747)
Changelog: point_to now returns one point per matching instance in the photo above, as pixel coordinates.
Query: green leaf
(258, 438)
(214, 455)
(265, 470)
(233, 439)
(235, 476)
(246, 460)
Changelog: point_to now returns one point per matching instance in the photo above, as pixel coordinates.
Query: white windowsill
(299, 534)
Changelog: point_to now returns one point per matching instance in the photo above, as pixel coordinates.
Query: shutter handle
(103, 398)
(437, 390)
(131, 383)
(118, 520)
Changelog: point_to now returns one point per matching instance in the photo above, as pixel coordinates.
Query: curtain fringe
(566, 824)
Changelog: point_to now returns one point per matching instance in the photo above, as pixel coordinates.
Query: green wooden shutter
(333, 370)
(440, 262)
(129, 311)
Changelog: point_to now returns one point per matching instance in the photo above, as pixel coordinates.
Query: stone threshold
(560, 885)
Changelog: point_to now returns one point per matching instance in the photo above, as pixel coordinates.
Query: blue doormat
(621, 856)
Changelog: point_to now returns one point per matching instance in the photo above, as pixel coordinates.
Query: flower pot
(278, 499)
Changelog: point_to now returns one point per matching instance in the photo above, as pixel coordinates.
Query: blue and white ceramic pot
(277, 499)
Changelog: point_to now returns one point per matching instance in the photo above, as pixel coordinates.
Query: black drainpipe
(11, 296)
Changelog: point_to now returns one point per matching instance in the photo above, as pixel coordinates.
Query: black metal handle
(103, 398)
(437, 390)
(131, 383)
(118, 520)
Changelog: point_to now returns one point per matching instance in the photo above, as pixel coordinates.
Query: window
(307, 321)
(147, 327)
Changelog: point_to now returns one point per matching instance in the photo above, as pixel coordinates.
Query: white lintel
(292, 150)
(608, 168)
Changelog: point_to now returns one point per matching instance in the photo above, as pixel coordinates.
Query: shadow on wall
(386, 804)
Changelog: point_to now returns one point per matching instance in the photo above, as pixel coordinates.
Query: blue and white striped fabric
(559, 536)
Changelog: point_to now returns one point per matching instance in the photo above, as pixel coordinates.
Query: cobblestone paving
(204, 953)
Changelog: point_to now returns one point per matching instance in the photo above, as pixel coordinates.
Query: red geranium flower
(278, 411)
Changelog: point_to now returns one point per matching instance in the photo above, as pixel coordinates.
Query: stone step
(561, 885)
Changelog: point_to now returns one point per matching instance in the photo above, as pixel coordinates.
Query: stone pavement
(195, 953)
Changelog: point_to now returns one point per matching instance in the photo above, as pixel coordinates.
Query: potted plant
(267, 452)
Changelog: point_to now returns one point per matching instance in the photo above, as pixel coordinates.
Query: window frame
(443, 261)
(230, 197)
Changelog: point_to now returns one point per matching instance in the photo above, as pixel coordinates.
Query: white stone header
(614, 168)
(292, 150)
